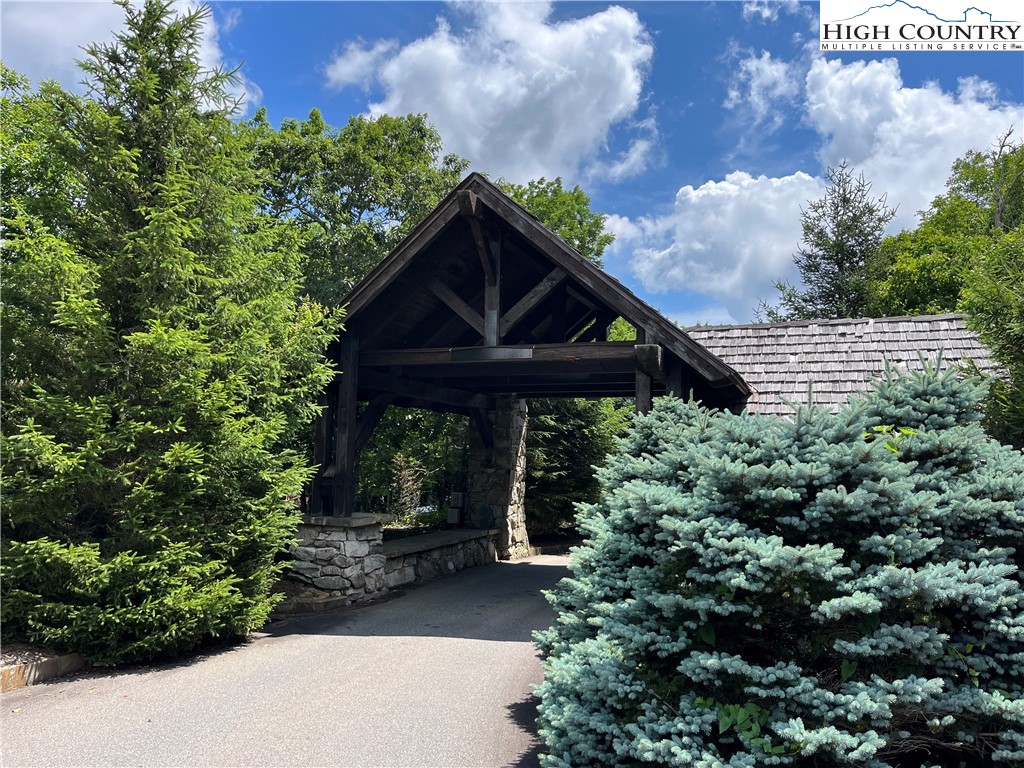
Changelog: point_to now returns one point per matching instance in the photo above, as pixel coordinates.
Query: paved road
(440, 676)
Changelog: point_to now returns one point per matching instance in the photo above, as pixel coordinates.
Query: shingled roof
(834, 357)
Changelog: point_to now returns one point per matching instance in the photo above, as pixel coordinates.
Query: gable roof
(835, 357)
(394, 307)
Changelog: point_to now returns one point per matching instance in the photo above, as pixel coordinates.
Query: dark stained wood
(611, 293)
(346, 429)
(403, 255)
(597, 330)
(457, 305)
(676, 380)
(643, 380)
(558, 353)
(370, 418)
(469, 208)
(492, 306)
(649, 360)
(422, 390)
(532, 299)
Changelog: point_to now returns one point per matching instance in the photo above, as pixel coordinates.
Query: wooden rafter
(470, 210)
(539, 292)
(457, 305)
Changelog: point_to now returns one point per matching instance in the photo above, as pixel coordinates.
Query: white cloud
(43, 40)
(903, 139)
(768, 10)
(727, 239)
(523, 96)
(732, 239)
(764, 88)
(358, 64)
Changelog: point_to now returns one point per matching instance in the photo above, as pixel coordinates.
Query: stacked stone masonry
(344, 560)
(497, 479)
(408, 567)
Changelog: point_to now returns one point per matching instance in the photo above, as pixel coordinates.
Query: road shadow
(524, 715)
(500, 602)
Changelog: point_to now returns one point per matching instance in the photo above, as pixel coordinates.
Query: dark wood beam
(536, 295)
(492, 306)
(598, 330)
(345, 429)
(422, 390)
(509, 354)
(322, 428)
(470, 209)
(649, 360)
(677, 379)
(644, 395)
(457, 305)
(370, 418)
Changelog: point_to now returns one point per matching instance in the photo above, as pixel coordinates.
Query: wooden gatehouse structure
(479, 308)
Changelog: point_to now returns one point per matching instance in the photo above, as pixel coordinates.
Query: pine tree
(841, 233)
(157, 359)
(826, 590)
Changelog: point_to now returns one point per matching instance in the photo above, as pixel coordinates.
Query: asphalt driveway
(439, 676)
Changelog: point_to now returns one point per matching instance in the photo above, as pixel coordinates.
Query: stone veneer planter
(342, 560)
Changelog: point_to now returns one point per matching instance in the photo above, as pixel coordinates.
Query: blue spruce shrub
(827, 590)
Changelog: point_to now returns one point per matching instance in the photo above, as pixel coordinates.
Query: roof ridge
(831, 321)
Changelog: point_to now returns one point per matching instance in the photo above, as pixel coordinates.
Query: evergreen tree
(156, 360)
(841, 233)
(826, 590)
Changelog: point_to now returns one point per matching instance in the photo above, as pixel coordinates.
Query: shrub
(158, 363)
(833, 589)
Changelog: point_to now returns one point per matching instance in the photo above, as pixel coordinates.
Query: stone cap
(427, 541)
(355, 521)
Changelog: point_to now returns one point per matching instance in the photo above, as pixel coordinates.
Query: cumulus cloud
(764, 88)
(903, 139)
(728, 239)
(521, 95)
(43, 40)
(358, 63)
(768, 10)
(731, 239)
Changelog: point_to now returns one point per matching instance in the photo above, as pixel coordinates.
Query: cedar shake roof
(835, 357)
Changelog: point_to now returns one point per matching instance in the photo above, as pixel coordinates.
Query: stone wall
(421, 558)
(496, 487)
(341, 556)
(340, 561)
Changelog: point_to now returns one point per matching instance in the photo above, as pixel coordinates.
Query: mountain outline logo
(921, 25)
(909, 6)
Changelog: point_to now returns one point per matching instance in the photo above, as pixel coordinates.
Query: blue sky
(700, 128)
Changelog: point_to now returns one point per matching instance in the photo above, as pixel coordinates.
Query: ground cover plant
(828, 590)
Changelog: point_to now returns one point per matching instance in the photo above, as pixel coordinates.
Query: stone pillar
(496, 486)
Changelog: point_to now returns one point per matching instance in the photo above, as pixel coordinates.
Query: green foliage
(157, 360)
(826, 590)
(841, 233)
(566, 440)
(965, 256)
(353, 192)
(565, 212)
(994, 301)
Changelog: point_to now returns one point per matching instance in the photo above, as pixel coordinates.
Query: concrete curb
(19, 675)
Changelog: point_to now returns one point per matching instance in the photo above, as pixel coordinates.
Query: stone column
(496, 486)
